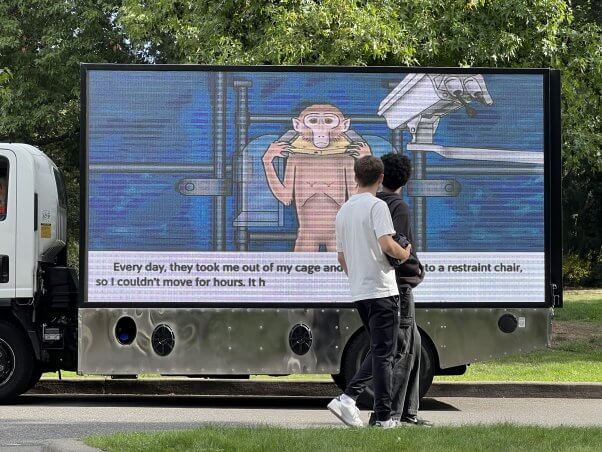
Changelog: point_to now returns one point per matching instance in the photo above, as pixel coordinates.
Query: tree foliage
(42, 42)
(395, 32)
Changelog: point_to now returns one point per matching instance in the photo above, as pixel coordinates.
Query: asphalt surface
(34, 419)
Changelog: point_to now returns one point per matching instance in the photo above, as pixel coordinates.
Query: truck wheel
(354, 355)
(35, 378)
(356, 351)
(339, 380)
(427, 367)
(16, 362)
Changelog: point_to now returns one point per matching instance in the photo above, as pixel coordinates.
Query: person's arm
(393, 249)
(339, 244)
(343, 262)
(383, 228)
(401, 219)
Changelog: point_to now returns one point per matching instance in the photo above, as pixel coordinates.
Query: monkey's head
(321, 124)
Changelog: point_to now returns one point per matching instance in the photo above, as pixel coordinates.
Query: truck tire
(35, 378)
(339, 380)
(427, 366)
(354, 355)
(16, 361)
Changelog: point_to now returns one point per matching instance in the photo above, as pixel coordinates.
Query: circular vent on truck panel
(125, 330)
(507, 323)
(300, 339)
(163, 340)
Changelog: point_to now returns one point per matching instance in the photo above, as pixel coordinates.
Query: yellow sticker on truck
(46, 231)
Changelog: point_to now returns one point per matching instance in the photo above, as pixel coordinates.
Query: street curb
(313, 389)
(515, 390)
(67, 445)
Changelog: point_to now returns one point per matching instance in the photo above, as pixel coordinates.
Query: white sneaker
(350, 415)
(387, 424)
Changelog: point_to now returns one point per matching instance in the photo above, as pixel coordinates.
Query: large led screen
(213, 186)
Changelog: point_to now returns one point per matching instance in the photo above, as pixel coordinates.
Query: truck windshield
(3, 187)
(60, 188)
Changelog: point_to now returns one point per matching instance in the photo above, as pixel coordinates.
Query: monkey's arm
(350, 181)
(358, 147)
(281, 190)
(353, 135)
(289, 136)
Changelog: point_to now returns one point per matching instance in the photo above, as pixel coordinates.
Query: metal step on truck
(208, 196)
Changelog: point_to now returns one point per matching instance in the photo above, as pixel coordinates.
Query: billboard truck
(208, 198)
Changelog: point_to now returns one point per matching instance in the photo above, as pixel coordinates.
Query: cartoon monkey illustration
(320, 153)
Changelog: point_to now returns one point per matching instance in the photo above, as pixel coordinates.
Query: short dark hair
(398, 169)
(367, 170)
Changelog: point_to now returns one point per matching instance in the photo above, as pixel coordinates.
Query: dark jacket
(411, 272)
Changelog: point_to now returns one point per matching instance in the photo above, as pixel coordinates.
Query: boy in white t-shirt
(364, 234)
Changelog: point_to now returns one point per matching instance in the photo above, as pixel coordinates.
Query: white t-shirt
(362, 220)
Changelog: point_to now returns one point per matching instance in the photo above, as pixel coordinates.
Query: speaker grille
(300, 339)
(163, 340)
(507, 323)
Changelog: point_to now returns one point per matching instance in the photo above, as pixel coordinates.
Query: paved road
(35, 418)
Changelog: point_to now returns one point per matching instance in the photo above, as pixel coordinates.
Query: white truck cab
(35, 224)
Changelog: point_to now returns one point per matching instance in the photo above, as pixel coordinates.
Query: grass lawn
(576, 353)
(579, 361)
(502, 437)
(581, 306)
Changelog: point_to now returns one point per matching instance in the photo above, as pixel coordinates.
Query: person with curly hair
(406, 372)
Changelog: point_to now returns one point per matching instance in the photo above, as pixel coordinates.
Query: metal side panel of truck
(208, 197)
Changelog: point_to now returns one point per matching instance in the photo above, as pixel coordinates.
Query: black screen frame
(552, 181)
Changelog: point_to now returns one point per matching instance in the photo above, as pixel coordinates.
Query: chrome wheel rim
(7, 362)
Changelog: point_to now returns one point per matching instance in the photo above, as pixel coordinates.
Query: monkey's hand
(358, 149)
(276, 149)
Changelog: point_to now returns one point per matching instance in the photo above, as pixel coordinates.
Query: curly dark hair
(398, 169)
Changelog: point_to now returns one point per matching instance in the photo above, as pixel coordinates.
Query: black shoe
(372, 419)
(415, 420)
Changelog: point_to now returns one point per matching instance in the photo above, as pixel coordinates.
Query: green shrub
(579, 271)
(73, 254)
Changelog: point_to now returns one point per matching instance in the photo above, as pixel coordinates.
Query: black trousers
(380, 317)
(405, 388)
(406, 370)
